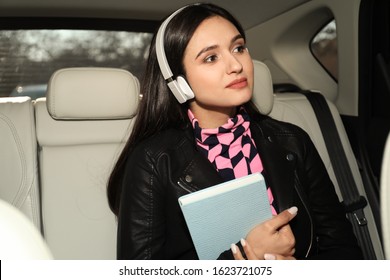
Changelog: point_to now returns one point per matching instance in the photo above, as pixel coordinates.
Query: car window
(29, 57)
(324, 48)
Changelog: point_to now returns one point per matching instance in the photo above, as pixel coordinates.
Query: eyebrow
(206, 49)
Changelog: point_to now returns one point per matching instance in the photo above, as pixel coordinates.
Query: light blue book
(223, 214)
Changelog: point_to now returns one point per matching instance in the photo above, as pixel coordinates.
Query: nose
(233, 64)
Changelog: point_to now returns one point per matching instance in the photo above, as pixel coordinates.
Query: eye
(210, 58)
(240, 49)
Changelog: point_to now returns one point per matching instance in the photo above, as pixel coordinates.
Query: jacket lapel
(279, 166)
(199, 173)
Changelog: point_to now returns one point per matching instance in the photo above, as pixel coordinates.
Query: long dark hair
(158, 108)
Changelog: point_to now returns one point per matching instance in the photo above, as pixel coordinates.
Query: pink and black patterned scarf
(230, 148)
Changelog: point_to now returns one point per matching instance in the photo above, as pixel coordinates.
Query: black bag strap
(354, 203)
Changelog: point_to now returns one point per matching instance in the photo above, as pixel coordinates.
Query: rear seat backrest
(18, 157)
(295, 108)
(81, 129)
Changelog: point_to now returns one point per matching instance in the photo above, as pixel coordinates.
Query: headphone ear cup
(185, 88)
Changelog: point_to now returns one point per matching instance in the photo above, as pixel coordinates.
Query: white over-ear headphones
(179, 86)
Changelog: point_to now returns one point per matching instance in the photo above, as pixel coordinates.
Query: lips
(238, 83)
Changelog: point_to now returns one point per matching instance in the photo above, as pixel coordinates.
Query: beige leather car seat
(295, 108)
(18, 157)
(81, 129)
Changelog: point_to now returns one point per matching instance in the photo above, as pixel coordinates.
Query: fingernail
(269, 257)
(243, 242)
(293, 210)
(233, 247)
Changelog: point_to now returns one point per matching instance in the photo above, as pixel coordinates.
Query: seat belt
(352, 200)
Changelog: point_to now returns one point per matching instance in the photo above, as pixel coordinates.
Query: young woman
(214, 136)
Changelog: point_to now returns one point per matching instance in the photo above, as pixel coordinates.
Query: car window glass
(324, 48)
(29, 57)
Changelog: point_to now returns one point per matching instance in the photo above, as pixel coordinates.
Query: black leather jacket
(168, 165)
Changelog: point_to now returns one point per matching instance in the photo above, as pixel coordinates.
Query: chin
(245, 98)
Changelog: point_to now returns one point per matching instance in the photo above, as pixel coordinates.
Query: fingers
(278, 257)
(289, 239)
(236, 252)
(247, 249)
(283, 218)
(250, 254)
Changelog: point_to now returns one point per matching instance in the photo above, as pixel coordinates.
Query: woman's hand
(273, 237)
(252, 256)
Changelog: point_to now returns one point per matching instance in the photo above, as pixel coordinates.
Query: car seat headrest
(88, 93)
(263, 95)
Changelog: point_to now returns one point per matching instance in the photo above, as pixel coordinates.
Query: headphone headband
(160, 49)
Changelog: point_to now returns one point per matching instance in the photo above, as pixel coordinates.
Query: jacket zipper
(183, 186)
(298, 189)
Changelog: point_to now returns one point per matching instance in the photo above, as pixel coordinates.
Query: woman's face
(218, 67)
